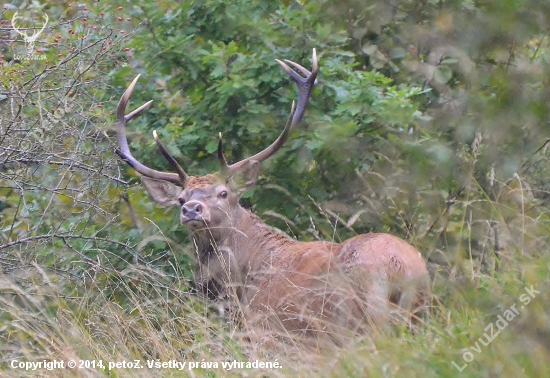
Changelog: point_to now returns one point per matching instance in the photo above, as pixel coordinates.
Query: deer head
(210, 200)
(29, 39)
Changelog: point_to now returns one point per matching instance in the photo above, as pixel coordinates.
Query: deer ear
(162, 192)
(246, 177)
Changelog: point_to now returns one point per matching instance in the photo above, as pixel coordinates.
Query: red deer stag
(299, 288)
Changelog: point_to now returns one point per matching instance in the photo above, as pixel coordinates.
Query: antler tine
(181, 173)
(309, 75)
(305, 86)
(224, 168)
(303, 70)
(124, 150)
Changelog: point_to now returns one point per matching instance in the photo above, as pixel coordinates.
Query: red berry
(119, 8)
(127, 49)
(101, 14)
(119, 18)
(128, 19)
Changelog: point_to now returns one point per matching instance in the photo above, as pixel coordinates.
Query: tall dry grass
(147, 315)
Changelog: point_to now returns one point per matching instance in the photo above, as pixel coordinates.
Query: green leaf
(443, 74)
(211, 146)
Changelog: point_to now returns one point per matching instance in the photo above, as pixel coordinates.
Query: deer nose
(192, 209)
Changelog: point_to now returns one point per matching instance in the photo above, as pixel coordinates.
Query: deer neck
(244, 236)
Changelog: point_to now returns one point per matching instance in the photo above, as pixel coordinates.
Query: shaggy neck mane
(248, 233)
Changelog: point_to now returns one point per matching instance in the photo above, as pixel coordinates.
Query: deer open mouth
(193, 221)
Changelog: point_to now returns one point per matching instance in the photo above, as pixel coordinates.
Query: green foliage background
(430, 121)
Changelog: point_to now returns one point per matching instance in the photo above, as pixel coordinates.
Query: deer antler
(124, 151)
(305, 86)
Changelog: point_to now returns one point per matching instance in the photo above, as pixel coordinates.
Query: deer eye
(223, 194)
(181, 201)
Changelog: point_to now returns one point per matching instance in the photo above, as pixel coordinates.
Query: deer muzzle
(194, 212)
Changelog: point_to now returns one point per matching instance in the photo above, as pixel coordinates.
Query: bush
(429, 121)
